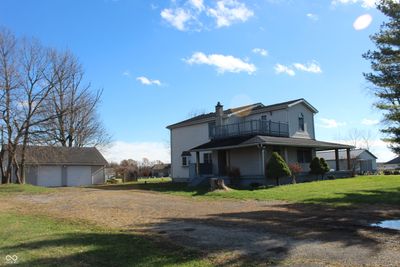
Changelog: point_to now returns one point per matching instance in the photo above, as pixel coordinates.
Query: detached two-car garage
(62, 166)
(74, 175)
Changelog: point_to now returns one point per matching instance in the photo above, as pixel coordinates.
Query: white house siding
(98, 175)
(293, 115)
(184, 139)
(247, 159)
(79, 175)
(280, 115)
(49, 176)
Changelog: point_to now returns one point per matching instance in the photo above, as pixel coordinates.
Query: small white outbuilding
(362, 160)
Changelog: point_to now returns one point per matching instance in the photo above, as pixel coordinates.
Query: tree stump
(218, 184)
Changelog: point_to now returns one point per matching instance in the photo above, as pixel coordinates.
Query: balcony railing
(253, 127)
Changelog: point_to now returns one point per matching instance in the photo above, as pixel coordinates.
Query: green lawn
(42, 241)
(383, 189)
(6, 189)
(359, 190)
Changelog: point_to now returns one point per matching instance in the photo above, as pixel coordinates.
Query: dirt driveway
(232, 232)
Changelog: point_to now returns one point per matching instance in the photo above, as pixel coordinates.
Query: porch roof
(246, 141)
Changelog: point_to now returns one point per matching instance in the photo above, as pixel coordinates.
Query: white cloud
(187, 15)
(177, 17)
(147, 81)
(198, 4)
(364, 3)
(260, 51)
(369, 122)
(362, 22)
(126, 73)
(330, 123)
(312, 67)
(279, 68)
(227, 12)
(312, 16)
(222, 63)
(120, 150)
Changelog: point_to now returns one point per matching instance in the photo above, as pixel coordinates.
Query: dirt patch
(233, 232)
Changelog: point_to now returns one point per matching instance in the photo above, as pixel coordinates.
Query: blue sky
(159, 61)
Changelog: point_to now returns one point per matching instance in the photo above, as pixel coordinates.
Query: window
(304, 155)
(264, 117)
(301, 122)
(185, 161)
(207, 158)
(211, 129)
(186, 158)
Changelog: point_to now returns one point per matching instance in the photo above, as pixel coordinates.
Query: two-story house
(244, 138)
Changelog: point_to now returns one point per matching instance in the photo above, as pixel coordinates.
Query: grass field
(7, 189)
(375, 189)
(42, 241)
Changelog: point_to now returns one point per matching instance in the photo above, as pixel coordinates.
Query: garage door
(49, 176)
(79, 175)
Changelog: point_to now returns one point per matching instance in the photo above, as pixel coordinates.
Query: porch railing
(256, 127)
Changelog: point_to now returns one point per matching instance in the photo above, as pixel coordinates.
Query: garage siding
(49, 176)
(79, 175)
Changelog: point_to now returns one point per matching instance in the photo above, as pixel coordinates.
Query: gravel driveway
(232, 231)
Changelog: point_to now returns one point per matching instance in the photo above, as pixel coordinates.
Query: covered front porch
(250, 154)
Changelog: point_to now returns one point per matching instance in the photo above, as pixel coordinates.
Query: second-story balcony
(252, 127)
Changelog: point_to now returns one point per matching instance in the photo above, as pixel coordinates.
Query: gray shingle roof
(53, 155)
(253, 108)
(244, 141)
(330, 155)
(394, 161)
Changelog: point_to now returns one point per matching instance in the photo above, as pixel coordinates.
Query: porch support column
(197, 163)
(348, 159)
(263, 160)
(337, 159)
(286, 154)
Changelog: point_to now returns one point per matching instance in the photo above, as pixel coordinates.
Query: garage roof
(54, 155)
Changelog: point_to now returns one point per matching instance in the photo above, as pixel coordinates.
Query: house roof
(55, 155)
(246, 141)
(393, 161)
(253, 108)
(355, 153)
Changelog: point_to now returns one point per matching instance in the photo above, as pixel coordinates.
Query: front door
(222, 169)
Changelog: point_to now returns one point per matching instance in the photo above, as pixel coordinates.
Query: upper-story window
(211, 129)
(264, 117)
(301, 122)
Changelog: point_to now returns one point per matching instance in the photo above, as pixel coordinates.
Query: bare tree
(42, 101)
(77, 121)
(8, 82)
(35, 89)
(360, 138)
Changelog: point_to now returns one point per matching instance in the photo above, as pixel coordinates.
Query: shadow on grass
(102, 249)
(271, 235)
(164, 187)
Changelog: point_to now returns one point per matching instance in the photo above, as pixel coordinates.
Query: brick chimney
(219, 114)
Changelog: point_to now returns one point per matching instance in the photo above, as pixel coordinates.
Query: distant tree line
(44, 100)
(131, 170)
